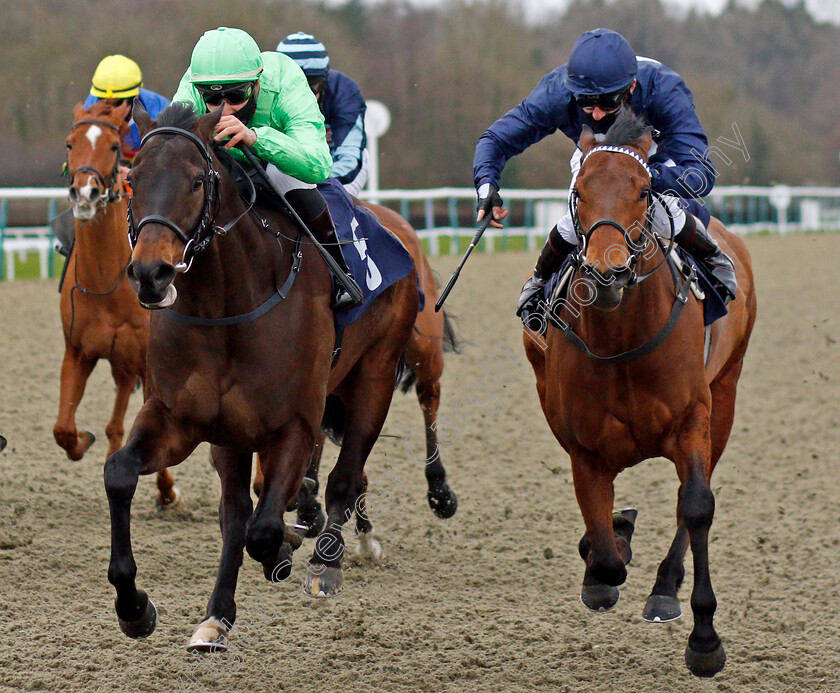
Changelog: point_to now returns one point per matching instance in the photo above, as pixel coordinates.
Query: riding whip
(454, 278)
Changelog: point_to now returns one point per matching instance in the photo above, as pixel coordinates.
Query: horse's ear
(79, 111)
(587, 140)
(141, 117)
(120, 114)
(645, 142)
(207, 124)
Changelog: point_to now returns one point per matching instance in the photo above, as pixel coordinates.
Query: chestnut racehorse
(432, 335)
(621, 382)
(99, 311)
(242, 359)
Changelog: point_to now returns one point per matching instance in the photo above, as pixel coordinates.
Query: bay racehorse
(621, 379)
(100, 315)
(432, 336)
(242, 359)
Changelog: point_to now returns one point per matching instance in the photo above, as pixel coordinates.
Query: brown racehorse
(241, 359)
(621, 388)
(99, 311)
(432, 335)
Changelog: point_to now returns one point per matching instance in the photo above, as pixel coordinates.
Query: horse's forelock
(178, 114)
(628, 128)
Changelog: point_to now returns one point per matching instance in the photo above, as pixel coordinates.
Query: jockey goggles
(606, 102)
(214, 94)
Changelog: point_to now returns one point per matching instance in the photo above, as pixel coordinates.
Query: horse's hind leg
(608, 549)
(426, 358)
(234, 510)
(367, 398)
(154, 443)
(663, 604)
(75, 371)
(309, 512)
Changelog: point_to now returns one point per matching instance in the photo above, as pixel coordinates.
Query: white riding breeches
(660, 226)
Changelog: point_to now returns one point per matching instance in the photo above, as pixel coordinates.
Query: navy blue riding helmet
(601, 61)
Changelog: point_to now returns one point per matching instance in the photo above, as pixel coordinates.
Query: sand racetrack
(486, 601)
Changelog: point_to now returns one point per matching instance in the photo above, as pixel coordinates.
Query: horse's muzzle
(153, 283)
(607, 288)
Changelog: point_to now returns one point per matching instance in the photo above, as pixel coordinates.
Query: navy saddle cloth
(714, 307)
(376, 258)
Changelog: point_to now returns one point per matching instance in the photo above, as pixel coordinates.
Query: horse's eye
(644, 193)
(68, 145)
(197, 183)
(115, 147)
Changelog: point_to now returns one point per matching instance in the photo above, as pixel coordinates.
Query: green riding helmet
(225, 55)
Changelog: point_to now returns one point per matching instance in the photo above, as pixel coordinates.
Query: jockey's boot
(554, 252)
(322, 226)
(694, 238)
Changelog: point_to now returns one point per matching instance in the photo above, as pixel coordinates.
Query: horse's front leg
(704, 655)
(234, 510)
(155, 442)
(283, 466)
(608, 552)
(75, 371)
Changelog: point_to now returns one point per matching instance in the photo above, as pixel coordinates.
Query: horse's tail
(451, 343)
(406, 376)
(335, 419)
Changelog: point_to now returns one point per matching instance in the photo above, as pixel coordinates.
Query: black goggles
(606, 102)
(214, 94)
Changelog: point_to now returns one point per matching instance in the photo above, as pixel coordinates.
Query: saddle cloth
(376, 258)
(714, 306)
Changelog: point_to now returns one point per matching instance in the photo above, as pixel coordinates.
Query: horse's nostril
(73, 195)
(94, 194)
(162, 276)
(129, 273)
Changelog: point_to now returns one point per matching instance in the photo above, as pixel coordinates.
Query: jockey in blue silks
(342, 104)
(602, 75)
(119, 79)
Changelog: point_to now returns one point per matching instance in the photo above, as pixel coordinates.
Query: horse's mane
(628, 128)
(178, 114)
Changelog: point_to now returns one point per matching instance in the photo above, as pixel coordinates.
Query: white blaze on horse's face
(84, 207)
(93, 133)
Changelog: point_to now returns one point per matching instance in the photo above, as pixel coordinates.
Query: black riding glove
(488, 197)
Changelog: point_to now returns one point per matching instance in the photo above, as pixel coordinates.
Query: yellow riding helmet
(116, 77)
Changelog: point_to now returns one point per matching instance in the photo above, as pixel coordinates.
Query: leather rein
(681, 288)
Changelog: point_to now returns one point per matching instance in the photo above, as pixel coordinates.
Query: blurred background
(447, 69)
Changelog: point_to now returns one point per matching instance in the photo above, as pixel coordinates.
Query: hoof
(280, 568)
(323, 581)
(92, 437)
(170, 503)
(368, 547)
(705, 664)
(599, 597)
(2, 443)
(443, 501)
(661, 609)
(313, 518)
(209, 636)
(143, 626)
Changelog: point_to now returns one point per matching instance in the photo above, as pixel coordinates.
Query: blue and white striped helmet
(308, 52)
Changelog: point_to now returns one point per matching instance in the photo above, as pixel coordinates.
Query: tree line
(446, 73)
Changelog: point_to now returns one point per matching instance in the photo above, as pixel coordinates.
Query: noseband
(681, 287)
(112, 195)
(204, 231)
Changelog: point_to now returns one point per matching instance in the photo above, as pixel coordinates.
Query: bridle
(110, 187)
(199, 238)
(637, 248)
(682, 285)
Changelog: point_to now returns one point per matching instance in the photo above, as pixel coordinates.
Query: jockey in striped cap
(342, 104)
